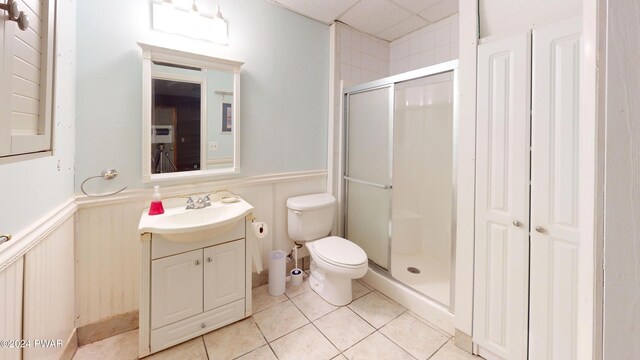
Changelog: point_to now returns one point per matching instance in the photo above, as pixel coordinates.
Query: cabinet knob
(516, 223)
(197, 262)
(209, 259)
(203, 325)
(539, 229)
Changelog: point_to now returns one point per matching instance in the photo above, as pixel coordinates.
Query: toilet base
(336, 290)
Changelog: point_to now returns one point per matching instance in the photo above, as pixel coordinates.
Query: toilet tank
(310, 217)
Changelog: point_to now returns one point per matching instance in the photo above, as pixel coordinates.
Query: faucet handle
(190, 204)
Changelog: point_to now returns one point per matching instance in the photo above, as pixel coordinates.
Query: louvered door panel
(27, 78)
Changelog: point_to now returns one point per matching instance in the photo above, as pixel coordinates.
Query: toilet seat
(339, 252)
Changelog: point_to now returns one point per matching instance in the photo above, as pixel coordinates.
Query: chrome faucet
(202, 202)
(190, 204)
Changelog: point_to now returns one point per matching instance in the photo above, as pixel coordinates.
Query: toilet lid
(339, 251)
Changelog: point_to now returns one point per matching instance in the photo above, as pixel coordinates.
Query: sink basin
(218, 217)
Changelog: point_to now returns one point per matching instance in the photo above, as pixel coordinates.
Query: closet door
(554, 191)
(502, 198)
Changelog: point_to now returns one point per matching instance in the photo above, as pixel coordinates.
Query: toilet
(334, 261)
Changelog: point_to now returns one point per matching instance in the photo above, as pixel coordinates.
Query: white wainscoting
(49, 293)
(11, 309)
(108, 245)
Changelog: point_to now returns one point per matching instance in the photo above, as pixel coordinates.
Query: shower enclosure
(399, 181)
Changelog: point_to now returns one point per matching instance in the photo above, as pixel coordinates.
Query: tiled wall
(430, 45)
(361, 57)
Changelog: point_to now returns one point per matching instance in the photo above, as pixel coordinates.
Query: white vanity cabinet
(189, 288)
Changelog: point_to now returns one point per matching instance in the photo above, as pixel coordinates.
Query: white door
(554, 191)
(176, 288)
(502, 198)
(224, 277)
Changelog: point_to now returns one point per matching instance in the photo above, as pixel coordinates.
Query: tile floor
(301, 325)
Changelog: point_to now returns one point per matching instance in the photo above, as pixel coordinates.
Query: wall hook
(106, 174)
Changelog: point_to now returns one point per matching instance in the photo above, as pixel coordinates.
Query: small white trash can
(277, 272)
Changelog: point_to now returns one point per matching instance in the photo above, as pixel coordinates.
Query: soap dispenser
(156, 207)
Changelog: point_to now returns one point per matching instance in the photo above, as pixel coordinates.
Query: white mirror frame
(152, 53)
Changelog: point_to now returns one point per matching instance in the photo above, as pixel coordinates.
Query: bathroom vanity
(195, 273)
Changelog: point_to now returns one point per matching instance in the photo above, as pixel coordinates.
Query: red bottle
(156, 207)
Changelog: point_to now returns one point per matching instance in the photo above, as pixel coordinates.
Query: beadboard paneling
(11, 309)
(107, 261)
(49, 292)
(108, 246)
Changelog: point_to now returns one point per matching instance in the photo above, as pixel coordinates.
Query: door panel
(554, 189)
(224, 279)
(502, 197)
(176, 288)
(368, 172)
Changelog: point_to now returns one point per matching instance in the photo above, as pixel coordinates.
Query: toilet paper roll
(260, 229)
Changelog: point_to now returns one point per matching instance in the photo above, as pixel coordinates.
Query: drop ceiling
(386, 19)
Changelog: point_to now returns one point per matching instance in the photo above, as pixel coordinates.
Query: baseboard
(107, 328)
(71, 347)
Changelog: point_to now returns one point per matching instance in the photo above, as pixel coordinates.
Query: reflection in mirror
(191, 113)
(175, 126)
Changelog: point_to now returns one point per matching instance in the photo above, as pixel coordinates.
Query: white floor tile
(234, 340)
(305, 343)
(261, 353)
(376, 309)
(451, 352)
(343, 328)
(279, 320)
(261, 299)
(312, 305)
(190, 350)
(122, 346)
(376, 346)
(414, 336)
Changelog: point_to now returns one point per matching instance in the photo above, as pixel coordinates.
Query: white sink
(218, 218)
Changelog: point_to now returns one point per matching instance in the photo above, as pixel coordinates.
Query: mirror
(191, 117)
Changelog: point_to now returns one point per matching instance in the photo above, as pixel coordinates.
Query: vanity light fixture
(219, 28)
(190, 23)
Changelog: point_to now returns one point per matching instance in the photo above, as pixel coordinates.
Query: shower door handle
(364, 182)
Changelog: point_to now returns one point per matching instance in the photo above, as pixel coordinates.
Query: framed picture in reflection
(227, 119)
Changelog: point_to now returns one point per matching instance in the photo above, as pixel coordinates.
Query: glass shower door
(368, 171)
(423, 192)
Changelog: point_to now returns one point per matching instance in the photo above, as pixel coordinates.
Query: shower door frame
(389, 82)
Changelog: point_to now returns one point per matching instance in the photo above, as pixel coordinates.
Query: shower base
(433, 280)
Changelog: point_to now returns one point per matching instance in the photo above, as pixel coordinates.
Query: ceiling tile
(416, 5)
(374, 16)
(402, 28)
(325, 11)
(440, 10)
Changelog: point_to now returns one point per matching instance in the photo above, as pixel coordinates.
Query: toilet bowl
(334, 261)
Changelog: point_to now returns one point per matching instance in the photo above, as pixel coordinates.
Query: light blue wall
(31, 189)
(284, 85)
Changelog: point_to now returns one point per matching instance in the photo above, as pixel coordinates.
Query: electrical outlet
(213, 146)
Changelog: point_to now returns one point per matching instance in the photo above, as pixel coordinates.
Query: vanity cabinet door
(224, 274)
(176, 288)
